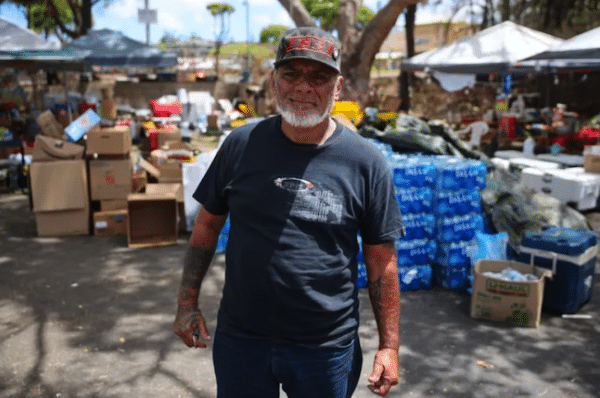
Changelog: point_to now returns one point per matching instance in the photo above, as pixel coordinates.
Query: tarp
(581, 52)
(15, 38)
(24, 49)
(35, 60)
(492, 50)
(112, 49)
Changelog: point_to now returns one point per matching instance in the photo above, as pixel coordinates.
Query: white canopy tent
(492, 50)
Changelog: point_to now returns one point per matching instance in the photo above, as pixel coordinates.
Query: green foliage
(41, 19)
(272, 34)
(255, 50)
(220, 8)
(326, 13)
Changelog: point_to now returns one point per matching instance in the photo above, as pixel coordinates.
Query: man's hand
(385, 371)
(187, 321)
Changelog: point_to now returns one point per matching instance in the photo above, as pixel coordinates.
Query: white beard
(305, 120)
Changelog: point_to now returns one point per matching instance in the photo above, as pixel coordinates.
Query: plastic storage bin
(571, 254)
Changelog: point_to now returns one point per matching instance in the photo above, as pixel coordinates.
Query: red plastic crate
(166, 110)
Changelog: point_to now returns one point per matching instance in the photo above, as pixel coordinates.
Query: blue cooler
(571, 255)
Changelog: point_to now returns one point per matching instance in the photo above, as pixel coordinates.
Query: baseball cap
(309, 43)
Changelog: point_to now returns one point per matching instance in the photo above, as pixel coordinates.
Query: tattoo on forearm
(375, 296)
(196, 263)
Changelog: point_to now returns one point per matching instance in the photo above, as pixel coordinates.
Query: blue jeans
(255, 369)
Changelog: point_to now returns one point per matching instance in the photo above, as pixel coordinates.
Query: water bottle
(415, 278)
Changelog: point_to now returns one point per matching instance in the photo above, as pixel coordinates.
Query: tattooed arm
(384, 292)
(198, 257)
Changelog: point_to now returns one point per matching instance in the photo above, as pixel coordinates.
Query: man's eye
(319, 78)
(290, 75)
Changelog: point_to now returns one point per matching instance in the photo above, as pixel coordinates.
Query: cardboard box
(50, 149)
(515, 303)
(170, 173)
(152, 220)
(82, 125)
(139, 181)
(63, 222)
(165, 189)
(60, 197)
(110, 223)
(50, 126)
(591, 158)
(109, 108)
(165, 136)
(59, 185)
(109, 141)
(110, 179)
(177, 189)
(113, 204)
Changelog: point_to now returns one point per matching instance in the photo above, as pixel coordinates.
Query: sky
(182, 18)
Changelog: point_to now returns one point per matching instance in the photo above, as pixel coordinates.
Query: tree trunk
(404, 78)
(297, 12)
(356, 65)
(358, 47)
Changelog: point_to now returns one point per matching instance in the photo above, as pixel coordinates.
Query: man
(298, 188)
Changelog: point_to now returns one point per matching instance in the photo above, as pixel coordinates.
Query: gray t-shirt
(295, 211)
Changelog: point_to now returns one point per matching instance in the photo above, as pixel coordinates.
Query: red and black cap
(309, 43)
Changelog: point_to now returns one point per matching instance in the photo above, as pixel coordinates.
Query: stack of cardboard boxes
(103, 181)
(59, 184)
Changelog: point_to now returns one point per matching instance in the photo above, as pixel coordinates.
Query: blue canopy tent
(111, 49)
(579, 53)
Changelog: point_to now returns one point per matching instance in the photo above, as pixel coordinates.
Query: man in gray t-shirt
(297, 188)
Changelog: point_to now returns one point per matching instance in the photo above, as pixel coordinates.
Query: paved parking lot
(89, 317)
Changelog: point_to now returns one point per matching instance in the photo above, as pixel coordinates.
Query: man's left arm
(384, 292)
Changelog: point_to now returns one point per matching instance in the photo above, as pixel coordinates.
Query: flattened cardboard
(110, 223)
(110, 179)
(59, 185)
(109, 141)
(50, 149)
(63, 222)
(515, 303)
(50, 126)
(152, 220)
(591, 158)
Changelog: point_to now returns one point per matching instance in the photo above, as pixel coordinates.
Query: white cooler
(572, 185)
(517, 164)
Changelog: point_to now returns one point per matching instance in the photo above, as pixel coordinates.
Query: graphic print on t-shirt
(311, 203)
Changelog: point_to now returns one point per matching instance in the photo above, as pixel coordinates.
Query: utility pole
(245, 2)
(147, 16)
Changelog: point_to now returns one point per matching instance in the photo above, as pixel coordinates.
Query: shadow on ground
(88, 317)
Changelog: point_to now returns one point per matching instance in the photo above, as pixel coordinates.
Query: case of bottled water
(415, 252)
(418, 277)
(223, 238)
(457, 279)
(419, 226)
(415, 200)
(460, 202)
(455, 254)
(458, 228)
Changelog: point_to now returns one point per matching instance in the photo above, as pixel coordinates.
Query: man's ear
(272, 81)
(338, 87)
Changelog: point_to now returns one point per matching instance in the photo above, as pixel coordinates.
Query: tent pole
(67, 97)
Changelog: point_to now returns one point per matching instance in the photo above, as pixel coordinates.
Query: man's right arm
(198, 257)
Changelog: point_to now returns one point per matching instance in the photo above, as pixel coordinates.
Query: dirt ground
(88, 317)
